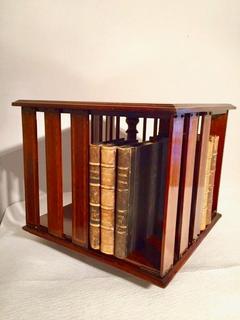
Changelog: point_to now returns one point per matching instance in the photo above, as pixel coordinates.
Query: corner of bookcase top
(124, 108)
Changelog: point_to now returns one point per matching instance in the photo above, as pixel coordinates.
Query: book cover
(206, 184)
(215, 141)
(94, 195)
(108, 172)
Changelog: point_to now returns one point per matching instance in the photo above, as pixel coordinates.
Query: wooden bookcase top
(123, 107)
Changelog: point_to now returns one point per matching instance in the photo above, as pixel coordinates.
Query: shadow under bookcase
(176, 225)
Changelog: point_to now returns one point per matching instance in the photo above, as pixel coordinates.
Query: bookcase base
(126, 266)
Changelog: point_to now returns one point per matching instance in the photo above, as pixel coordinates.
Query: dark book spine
(123, 200)
(94, 196)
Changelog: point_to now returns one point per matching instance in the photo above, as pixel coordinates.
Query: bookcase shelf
(177, 231)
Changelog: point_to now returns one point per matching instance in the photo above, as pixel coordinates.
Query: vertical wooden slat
(144, 129)
(199, 177)
(96, 128)
(30, 155)
(218, 127)
(108, 130)
(186, 184)
(80, 196)
(175, 133)
(155, 127)
(117, 127)
(100, 128)
(54, 172)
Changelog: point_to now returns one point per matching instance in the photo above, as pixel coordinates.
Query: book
(108, 173)
(126, 171)
(95, 191)
(137, 196)
(206, 184)
(94, 195)
(215, 141)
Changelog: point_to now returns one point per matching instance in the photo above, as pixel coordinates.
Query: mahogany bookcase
(68, 226)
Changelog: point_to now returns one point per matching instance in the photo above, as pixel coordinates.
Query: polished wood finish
(144, 129)
(199, 177)
(117, 127)
(171, 195)
(139, 271)
(80, 160)
(218, 127)
(30, 156)
(120, 107)
(54, 172)
(174, 238)
(186, 184)
(155, 127)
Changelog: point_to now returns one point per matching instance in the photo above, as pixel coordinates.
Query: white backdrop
(154, 51)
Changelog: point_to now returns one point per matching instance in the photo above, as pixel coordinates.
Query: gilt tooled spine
(206, 184)
(211, 179)
(122, 201)
(94, 196)
(108, 174)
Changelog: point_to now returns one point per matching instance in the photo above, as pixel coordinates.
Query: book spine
(122, 201)
(108, 167)
(94, 196)
(211, 180)
(206, 184)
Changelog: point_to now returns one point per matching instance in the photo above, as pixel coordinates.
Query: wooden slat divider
(54, 172)
(117, 127)
(144, 129)
(173, 128)
(80, 159)
(31, 176)
(218, 127)
(155, 127)
(199, 177)
(186, 184)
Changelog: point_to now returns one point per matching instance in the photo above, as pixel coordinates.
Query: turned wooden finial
(132, 128)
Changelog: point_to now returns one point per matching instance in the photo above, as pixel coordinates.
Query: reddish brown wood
(218, 127)
(199, 176)
(144, 129)
(132, 128)
(96, 128)
(150, 109)
(153, 262)
(155, 127)
(109, 128)
(117, 127)
(54, 172)
(80, 159)
(171, 195)
(30, 155)
(186, 184)
(136, 270)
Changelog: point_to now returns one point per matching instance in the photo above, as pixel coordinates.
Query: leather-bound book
(94, 195)
(108, 173)
(215, 140)
(137, 176)
(206, 184)
(125, 197)
(95, 191)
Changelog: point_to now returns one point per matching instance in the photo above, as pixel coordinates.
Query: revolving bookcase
(187, 127)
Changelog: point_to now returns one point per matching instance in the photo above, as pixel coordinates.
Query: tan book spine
(206, 184)
(211, 179)
(122, 201)
(94, 196)
(108, 174)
